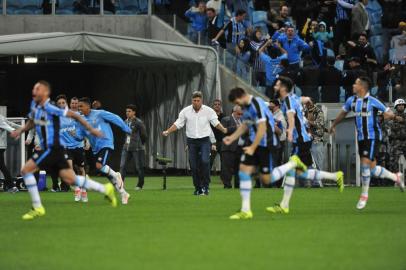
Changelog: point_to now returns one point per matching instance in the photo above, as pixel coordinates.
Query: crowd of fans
(322, 45)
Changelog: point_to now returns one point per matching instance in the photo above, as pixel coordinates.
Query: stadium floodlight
(30, 59)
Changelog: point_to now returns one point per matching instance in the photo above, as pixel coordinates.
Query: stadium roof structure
(98, 48)
(187, 67)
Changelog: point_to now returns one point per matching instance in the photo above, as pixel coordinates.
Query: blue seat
(24, 12)
(65, 4)
(128, 7)
(65, 7)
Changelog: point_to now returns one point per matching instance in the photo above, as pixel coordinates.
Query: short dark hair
(366, 80)
(283, 5)
(235, 93)
(197, 94)
(276, 102)
(131, 107)
(331, 60)
(46, 84)
(211, 9)
(287, 82)
(74, 98)
(363, 34)
(62, 96)
(217, 100)
(240, 12)
(85, 100)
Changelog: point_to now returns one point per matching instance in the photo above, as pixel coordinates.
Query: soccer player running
(369, 134)
(45, 117)
(73, 146)
(258, 120)
(301, 139)
(103, 146)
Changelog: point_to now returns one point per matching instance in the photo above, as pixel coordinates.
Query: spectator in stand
(322, 34)
(214, 26)
(398, 44)
(243, 54)
(308, 78)
(231, 154)
(303, 10)
(392, 15)
(383, 77)
(280, 120)
(272, 64)
(236, 30)
(310, 27)
(315, 118)
(258, 41)
(343, 23)
(272, 22)
(359, 19)
(288, 71)
(293, 44)
(198, 18)
(218, 135)
(364, 51)
(283, 17)
(327, 9)
(351, 75)
(330, 82)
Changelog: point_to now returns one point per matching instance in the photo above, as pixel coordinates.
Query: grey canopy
(160, 75)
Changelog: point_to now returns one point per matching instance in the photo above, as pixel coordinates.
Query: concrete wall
(134, 26)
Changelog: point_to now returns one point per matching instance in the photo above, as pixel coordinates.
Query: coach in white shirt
(197, 118)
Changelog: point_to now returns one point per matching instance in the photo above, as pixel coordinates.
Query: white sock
(281, 171)
(317, 175)
(365, 179)
(31, 184)
(245, 191)
(381, 172)
(113, 176)
(288, 189)
(88, 183)
(107, 170)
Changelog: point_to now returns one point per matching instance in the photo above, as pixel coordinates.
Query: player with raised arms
(369, 135)
(45, 117)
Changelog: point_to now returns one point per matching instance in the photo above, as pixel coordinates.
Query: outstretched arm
(28, 125)
(116, 120)
(338, 119)
(242, 129)
(84, 123)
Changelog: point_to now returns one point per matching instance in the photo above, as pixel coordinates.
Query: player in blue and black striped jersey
(369, 134)
(258, 121)
(298, 135)
(45, 117)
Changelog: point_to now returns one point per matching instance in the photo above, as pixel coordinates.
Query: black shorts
(103, 156)
(302, 150)
(77, 155)
(53, 158)
(261, 158)
(368, 149)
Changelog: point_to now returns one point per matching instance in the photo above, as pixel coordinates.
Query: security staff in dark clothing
(230, 154)
(134, 146)
(352, 74)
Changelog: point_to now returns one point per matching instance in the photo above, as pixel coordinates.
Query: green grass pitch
(174, 230)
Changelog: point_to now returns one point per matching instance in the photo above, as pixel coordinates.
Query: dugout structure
(157, 76)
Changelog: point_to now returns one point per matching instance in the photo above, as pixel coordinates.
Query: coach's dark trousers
(199, 160)
(230, 163)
